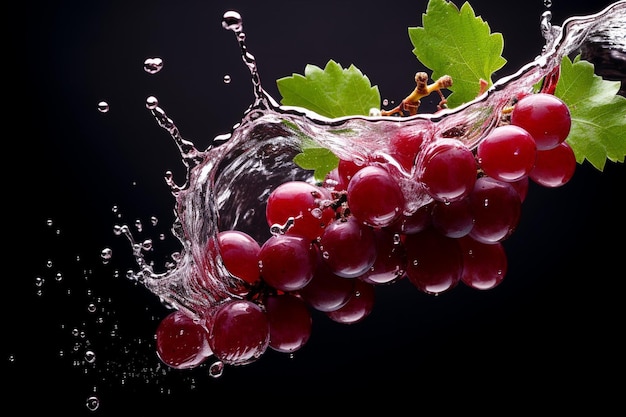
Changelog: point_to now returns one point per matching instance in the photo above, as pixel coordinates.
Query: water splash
(227, 183)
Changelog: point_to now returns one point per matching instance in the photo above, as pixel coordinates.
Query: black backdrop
(550, 332)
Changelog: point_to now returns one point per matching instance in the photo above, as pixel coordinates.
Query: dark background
(550, 334)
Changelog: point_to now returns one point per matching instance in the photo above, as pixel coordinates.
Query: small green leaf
(459, 44)
(320, 160)
(331, 92)
(598, 113)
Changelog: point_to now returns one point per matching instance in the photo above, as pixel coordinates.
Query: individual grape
(346, 168)
(415, 222)
(181, 342)
(554, 167)
(302, 202)
(496, 207)
(484, 265)
(434, 262)
(545, 116)
(348, 247)
(447, 170)
(326, 291)
(390, 263)
(454, 219)
(374, 196)
(287, 262)
(358, 307)
(240, 254)
(404, 147)
(239, 332)
(507, 153)
(290, 322)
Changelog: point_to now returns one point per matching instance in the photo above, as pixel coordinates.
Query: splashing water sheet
(140, 133)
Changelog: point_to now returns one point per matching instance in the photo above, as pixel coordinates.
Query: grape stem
(422, 89)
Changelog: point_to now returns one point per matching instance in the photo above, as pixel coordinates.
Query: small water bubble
(103, 107)
(374, 112)
(49, 222)
(216, 369)
(547, 3)
(152, 102)
(232, 21)
(147, 245)
(92, 403)
(90, 356)
(153, 65)
(154, 220)
(39, 281)
(106, 255)
(227, 79)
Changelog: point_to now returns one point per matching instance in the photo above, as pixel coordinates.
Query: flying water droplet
(153, 65)
(152, 102)
(103, 107)
(232, 21)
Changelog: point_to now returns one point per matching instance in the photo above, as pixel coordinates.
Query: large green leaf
(457, 43)
(331, 92)
(598, 129)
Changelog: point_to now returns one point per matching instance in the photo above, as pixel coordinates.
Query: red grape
(404, 147)
(290, 322)
(390, 263)
(181, 342)
(240, 254)
(434, 262)
(507, 153)
(326, 291)
(358, 307)
(454, 219)
(374, 196)
(545, 116)
(346, 169)
(348, 247)
(302, 202)
(447, 170)
(239, 332)
(484, 265)
(554, 167)
(496, 206)
(287, 262)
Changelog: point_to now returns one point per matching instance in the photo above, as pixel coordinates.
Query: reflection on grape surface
(82, 323)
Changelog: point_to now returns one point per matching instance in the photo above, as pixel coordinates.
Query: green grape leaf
(457, 43)
(598, 113)
(331, 92)
(320, 160)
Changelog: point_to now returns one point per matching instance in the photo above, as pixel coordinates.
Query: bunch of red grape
(333, 242)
